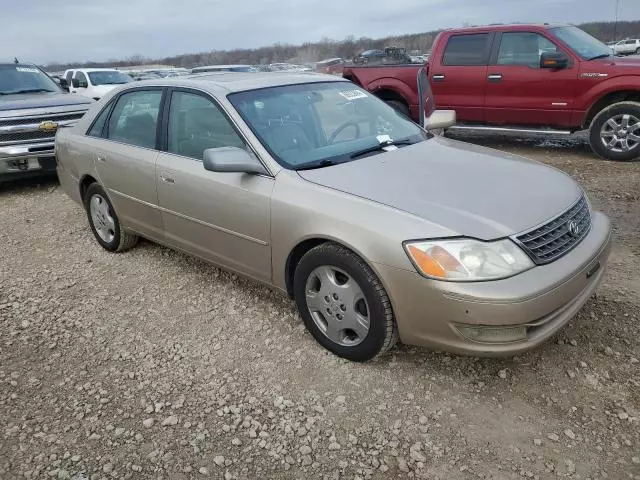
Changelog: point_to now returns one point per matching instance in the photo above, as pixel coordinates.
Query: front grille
(20, 137)
(54, 117)
(554, 239)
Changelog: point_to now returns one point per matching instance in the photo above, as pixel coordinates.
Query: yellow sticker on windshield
(353, 94)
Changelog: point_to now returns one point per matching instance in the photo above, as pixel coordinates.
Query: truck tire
(399, 107)
(615, 132)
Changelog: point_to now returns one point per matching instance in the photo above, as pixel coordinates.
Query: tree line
(326, 48)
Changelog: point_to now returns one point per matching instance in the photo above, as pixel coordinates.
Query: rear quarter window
(464, 50)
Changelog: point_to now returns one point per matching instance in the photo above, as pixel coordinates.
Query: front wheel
(343, 303)
(615, 132)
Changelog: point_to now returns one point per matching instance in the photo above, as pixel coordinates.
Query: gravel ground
(152, 364)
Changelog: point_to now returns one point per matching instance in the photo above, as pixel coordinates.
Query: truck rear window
(472, 49)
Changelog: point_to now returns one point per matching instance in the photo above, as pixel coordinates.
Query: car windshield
(18, 78)
(582, 43)
(111, 77)
(320, 124)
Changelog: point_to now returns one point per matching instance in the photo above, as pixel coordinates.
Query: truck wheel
(399, 107)
(615, 132)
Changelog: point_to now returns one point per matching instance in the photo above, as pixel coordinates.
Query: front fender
(585, 102)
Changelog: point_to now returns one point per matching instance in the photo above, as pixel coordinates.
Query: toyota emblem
(573, 228)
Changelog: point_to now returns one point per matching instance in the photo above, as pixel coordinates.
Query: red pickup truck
(523, 78)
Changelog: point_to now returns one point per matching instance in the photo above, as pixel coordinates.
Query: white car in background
(94, 82)
(629, 46)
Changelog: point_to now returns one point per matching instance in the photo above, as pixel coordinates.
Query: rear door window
(467, 50)
(135, 118)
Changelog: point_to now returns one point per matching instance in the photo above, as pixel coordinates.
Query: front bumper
(543, 300)
(27, 159)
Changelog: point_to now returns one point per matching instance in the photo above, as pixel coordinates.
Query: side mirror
(440, 119)
(63, 83)
(230, 160)
(554, 60)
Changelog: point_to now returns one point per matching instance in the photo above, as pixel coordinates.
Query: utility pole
(615, 25)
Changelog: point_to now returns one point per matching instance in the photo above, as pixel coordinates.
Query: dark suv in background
(32, 108)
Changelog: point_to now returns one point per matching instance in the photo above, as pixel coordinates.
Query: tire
(361, 296)
(608, 125)
(107, 232)
(399, 107)
(637, 51)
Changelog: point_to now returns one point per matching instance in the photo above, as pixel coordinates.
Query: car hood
(41, 100)
(471, 190)
(102, 89)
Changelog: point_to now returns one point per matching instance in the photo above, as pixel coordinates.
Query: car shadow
(24, 184)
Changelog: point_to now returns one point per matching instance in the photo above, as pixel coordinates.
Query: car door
(458, 76)
(125, 157)
(519, 92)
(221, 217)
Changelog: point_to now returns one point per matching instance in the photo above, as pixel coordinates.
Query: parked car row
(324, 188)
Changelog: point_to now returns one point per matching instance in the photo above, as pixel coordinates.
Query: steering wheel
(339, 130)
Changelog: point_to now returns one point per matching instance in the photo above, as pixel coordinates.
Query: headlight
(467, 260)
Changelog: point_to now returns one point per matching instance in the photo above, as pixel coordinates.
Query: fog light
(488, 334)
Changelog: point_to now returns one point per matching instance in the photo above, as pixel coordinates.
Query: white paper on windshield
(27, 69)
(353, 94)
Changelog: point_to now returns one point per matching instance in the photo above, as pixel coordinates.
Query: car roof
(230, 82)
(222, 66)
(95, 69)
(503, 26)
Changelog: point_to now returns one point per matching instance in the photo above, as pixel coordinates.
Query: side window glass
(98, 125)
(463, 50)
(523, 49)
(196, 123)
(135, 118)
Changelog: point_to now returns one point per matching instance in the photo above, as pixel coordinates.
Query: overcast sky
(45, 31)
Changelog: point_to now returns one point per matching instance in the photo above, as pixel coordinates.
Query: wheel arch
(306, 244)
(608, 99)
(84, 183)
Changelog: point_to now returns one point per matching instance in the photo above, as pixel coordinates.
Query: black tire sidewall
(600, 120)
(95, 189)
(375, 339)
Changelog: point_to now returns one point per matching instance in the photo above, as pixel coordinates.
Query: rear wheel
(343, 304)
(615, 132)
(104, 221)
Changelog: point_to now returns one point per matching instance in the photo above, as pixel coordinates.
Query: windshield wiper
(604, 55)
(27, 90)
(381, 147)
(320, 164)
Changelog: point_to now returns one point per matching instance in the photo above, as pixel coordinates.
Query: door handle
(101, 158)
(438, 78)
(166, 179)
(495, 77)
